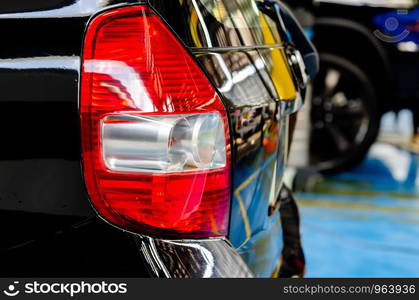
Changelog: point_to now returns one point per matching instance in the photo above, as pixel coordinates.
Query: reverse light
(163, 144)
(156, 149)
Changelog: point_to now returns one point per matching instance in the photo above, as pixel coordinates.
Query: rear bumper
(210, 258)
(217, 258)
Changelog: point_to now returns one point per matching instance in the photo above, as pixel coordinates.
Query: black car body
(49, 228)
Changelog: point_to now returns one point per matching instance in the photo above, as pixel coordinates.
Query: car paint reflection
(259, 146)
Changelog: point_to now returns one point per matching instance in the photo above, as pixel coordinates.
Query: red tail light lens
(156, 150)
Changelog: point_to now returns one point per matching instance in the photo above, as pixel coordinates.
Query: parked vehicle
(369, 56)
(148, 139)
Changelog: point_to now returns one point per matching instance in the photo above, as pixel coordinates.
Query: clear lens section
(163, 144)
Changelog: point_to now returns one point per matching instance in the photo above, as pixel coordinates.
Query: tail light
(156, 149)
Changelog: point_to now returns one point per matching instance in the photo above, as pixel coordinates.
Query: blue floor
(365, 223)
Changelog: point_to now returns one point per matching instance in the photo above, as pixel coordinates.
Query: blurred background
(357, 180)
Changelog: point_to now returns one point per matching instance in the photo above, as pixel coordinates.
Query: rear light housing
(155, 137)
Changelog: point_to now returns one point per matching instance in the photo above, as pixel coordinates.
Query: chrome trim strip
(197, 50)
(209, 258)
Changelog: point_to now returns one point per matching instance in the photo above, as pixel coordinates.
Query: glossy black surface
(218, 23)
(48, 227)
(259, 146)
(208, 258)
(240, 50)
(45, 215)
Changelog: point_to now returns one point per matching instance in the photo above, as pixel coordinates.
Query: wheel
(344, 115)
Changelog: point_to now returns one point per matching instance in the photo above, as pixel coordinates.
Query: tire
(344, 115)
